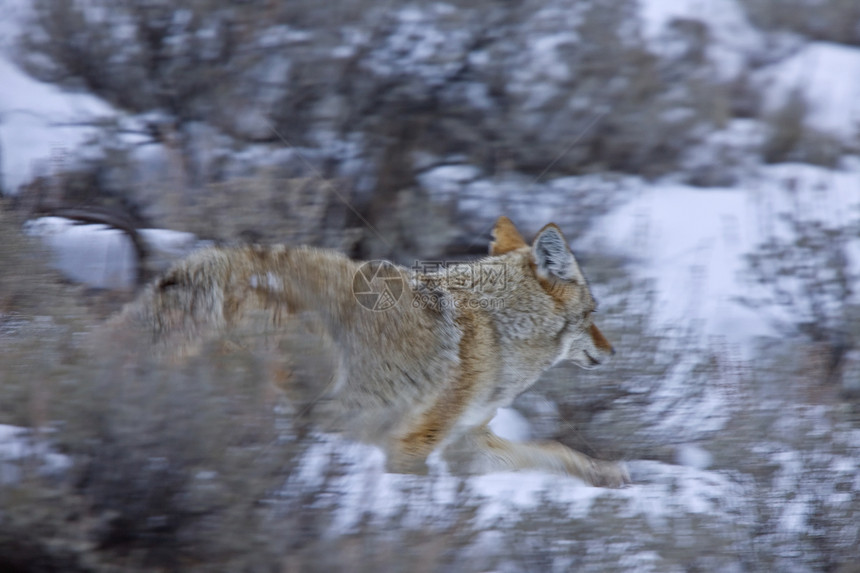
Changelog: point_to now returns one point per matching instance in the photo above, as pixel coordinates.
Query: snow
(95, 255)
(14, 11)
(662, 491)
(418, 46)
(447, 180)
(828, 77)
(511, 425)
(734, 39)
(692, 242)
(103, 257)
(40, 124)
(693, 456)
(166, 246)
(548, 62)
(17, 445)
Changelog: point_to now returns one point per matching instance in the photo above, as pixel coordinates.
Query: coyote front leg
(481, 451)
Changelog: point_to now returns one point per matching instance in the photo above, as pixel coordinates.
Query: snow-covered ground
(828, 77)
(42, 126)
(504, 494)
(18, 446)
(102, 257)
(692, 242)
(735, 40)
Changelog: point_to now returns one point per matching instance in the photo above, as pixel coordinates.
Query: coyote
(415, 361)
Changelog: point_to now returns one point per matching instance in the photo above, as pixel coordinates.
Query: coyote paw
(598, 473)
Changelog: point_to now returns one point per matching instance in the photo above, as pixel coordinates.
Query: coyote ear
(553, 257)
(506, 238)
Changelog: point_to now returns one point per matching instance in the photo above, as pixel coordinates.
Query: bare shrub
(169, 465)
(179, 62)
(827, 20)
(463, 80)
(791, 138)
(186, 467)
(808, 274)
(268, 208)
(142, 55)
(28, 287)
(791, 438)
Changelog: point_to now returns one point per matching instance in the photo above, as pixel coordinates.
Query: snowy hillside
(40, 124)
(693, 242)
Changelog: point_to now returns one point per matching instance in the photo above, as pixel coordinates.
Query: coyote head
(561, 289)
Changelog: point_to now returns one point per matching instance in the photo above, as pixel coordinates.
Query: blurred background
(701, 156)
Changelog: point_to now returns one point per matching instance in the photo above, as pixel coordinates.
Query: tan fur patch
(600, 340)
(557, 289)
(506, 238)
(435, 422)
